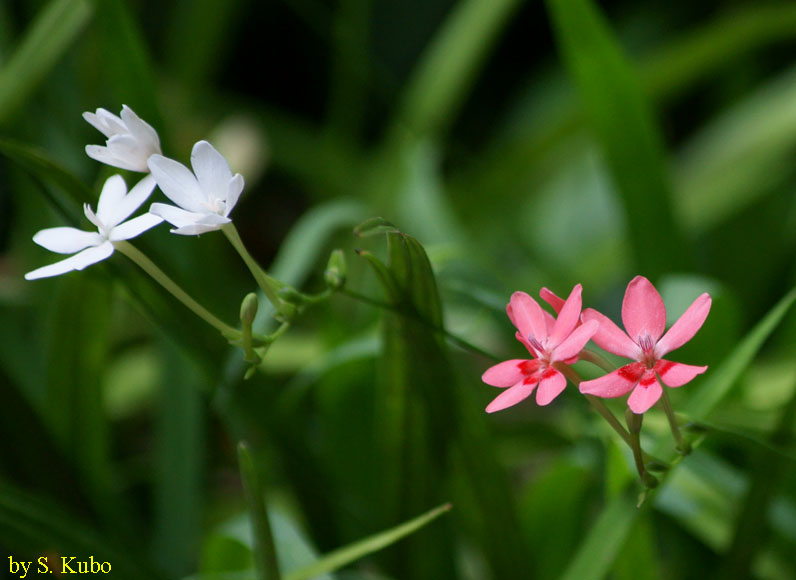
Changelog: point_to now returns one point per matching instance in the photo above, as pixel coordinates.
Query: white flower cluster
(204, 198)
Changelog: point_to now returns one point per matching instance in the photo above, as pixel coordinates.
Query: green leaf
(44, 43)
(738, 157)
(30, 524)
(427, 424)
(65, 192)
(265, 557)
(596, 554)
(180, 445)
(357, 550)
(719, 382)
(625, 127)
(127, 68)
(449, 66)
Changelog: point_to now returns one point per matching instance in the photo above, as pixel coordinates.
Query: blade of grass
(751, 527)
(624, 125)
(343, 556)
(29, 523)
(180, 444)
(450, 64)
(265, 558)
(128, 70)
(45, 41)
(596, 554)
(720, 381)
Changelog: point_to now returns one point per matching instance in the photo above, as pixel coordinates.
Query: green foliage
(644, 139)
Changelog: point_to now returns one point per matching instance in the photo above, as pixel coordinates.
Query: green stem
(161, 278)
(265, 558)
(682, 445)
(267, 284)
(597, 404)
(634, 426)
(598, 360)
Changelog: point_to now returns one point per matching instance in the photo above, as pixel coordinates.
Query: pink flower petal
(677, 374)
(644, 395)
(567, 318)
(643, 312)
(552, 299)
(610, 337)
(509, 372)
(615, 384)
(551, 385)
(686, 326)
(528, 316)
(575, 342)
(512, 396)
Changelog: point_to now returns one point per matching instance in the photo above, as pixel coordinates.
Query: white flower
(130, 140)
(204, 199)
(114, 206)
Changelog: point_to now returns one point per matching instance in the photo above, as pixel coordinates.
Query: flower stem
(634, 425)
(683, 446)
(598, 360)
(597, 405)
(268, 284)
(160, 277)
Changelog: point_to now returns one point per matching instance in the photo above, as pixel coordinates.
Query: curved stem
(148, 266)
(596, 359)
(268, 284)
(682, 445)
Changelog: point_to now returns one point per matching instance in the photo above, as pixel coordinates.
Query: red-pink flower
(549, 340)
(644, 317)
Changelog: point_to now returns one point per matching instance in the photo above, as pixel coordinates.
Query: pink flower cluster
(555, 343)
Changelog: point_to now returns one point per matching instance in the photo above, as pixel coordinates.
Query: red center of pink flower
(647, 346)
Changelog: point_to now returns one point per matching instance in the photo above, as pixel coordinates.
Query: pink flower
(550, 341)
(644, 317)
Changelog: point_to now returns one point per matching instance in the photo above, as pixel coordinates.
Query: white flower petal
(111, 196)
(141, 130)
(177, 183)
(103, 155)
(65, 240)
(134, 227)
(105, 122)
(198, 228)
(176, 216)
(132, 201)
(77, 262)
(211, 169)
(234, 189)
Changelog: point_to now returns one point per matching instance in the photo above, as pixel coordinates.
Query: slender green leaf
(625, 127)
(738, 157)
(29, 524)
(265, 557)
(66, 192)
(180, 443)
(720, 381)
(448, 68)
(44, 43)
(127, 68)
(596, 554)
(737, 31)
(427, 423)
(357, 550)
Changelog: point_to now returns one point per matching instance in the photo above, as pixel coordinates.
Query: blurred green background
(522, 144)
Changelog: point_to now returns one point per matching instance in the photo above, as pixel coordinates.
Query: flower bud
(248, 309)
(335, 270)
